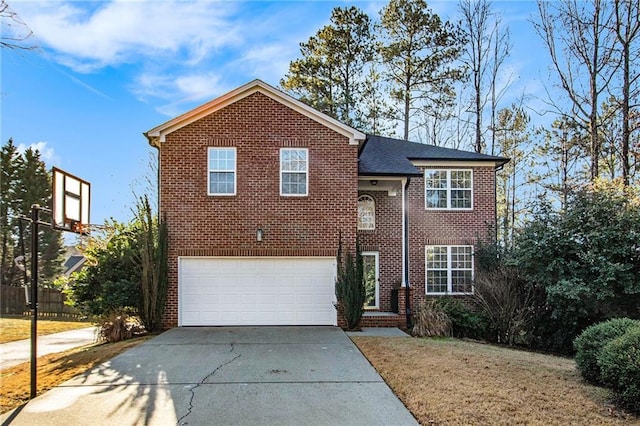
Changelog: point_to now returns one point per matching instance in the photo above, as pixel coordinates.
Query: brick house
(257, 188)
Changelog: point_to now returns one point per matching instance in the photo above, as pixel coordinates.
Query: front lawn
(55, 369)
(448, 381)
(18, 328)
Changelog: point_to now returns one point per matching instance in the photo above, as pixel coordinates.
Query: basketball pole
(35, 209)
(35, 223)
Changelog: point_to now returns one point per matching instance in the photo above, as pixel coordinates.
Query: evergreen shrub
(591, 341)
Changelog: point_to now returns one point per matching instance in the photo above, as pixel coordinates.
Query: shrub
(508, 302)
(619, 362)
(430, 319)
(350, 289)
(590, 342)
(464, 322)
(119, 325)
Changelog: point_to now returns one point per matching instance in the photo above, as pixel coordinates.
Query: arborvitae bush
(350, 289)
(591, 341)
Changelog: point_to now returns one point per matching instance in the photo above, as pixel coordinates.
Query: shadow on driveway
(226, 375)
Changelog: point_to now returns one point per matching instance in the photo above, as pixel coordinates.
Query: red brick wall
(386, 239)
(426, 227)
(257, 126)
(429, 227)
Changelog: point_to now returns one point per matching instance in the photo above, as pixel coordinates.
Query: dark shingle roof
(387, 156)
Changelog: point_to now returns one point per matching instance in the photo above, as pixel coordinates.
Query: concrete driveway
(226, 376)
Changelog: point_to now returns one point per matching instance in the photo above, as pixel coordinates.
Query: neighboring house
(258, 188)
(74, 261)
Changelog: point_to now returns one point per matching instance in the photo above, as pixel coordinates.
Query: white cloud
(124, 31)
(47, 153)
(181, 90)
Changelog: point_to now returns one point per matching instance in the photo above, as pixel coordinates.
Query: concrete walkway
(227, 376)
(14, 353)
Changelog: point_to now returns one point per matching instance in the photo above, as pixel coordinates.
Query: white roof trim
(159, 133)
(454, 163)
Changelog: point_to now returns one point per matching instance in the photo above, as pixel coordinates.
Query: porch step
(382, 319)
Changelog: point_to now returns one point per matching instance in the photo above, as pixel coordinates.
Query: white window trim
(288, 171)
(373, 227)
(449, 270)
(235, 173)
(448, 189)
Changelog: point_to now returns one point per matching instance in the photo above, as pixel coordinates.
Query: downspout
(405, 250)
(155, 143)
(495, 203)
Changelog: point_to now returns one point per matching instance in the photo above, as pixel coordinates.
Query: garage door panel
(257, 291)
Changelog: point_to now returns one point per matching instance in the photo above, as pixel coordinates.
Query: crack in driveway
(201, 382)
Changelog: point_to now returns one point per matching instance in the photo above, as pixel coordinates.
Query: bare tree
(18, 31)
(627, 30)
(486, 49)
(580, 45)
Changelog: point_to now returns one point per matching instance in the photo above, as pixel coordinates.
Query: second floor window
(366, 213)
(448, 189)
(294, 171)
(222, 171)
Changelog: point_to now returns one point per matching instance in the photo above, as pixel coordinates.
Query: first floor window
(294, 171)
(222, 171)
(449, 269)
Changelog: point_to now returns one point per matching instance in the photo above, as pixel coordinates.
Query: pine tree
(420, 52)
(32, 185)
(10, 163)
(330, 75)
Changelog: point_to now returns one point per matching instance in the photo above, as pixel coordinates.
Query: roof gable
(387, 156)
(158, 134)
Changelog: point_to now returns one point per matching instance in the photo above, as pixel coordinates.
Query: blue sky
(107, 71)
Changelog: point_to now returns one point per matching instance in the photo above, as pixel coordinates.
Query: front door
(370, 270)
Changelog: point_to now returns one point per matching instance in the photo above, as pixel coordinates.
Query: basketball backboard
(71, 202)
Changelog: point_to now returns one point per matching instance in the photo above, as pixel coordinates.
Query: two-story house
(257, 189)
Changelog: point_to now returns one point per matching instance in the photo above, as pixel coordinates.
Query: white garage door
(257, 291)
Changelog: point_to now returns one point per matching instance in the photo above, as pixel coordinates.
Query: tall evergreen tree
(330, 75)
(420, 52)
(25, 181)
(10, 164)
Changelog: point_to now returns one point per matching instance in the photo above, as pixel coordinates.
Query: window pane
(436, 178)
(366, 213)
(436, 281)
(461, 199)
(294, 183)
(436, 198)
(221, 182)
(461, 258)
(369, 272)
(461, 281)
(293, 160)
(461, 179)
(437, 258)
(221, 159)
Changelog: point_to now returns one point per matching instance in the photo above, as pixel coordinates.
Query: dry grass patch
(53, 369)
(447, 381)
(18, 328)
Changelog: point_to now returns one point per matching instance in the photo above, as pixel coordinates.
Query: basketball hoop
(71, 202)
